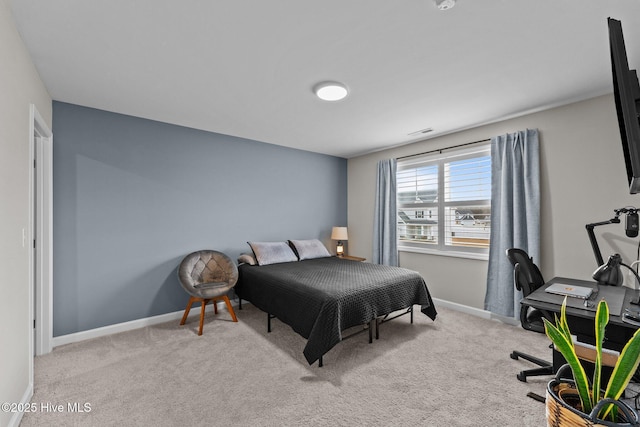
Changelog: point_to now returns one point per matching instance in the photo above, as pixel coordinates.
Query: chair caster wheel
(521, 377)
(513, 356)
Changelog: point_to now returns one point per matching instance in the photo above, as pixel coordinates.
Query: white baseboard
(16, 419)
(129, 326)
(463, 308)
(195, 311)
(475, 311)
(507, 320)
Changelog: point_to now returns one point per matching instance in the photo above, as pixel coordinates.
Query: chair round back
(207, 266)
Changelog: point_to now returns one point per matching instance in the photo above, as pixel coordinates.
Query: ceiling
(247, 68)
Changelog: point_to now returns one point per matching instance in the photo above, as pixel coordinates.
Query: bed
(319, 297)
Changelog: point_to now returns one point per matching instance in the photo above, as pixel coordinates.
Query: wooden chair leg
(204, 303)
(230, 308)
(186, 310)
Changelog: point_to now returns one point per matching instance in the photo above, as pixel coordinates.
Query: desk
(581, 320)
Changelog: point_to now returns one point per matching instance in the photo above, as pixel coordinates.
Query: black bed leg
(411, 310)
(320, 362)
(377, 329)
(371, 331)
(239, 303)
(268, 322)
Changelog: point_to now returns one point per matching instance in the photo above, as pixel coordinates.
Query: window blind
(444, 200)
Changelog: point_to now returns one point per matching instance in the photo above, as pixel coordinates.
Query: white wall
(582, 181)
(20, 86)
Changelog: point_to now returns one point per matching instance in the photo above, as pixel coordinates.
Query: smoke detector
(445, 4)
(420, 132)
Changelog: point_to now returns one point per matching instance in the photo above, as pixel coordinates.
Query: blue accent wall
(133, 196)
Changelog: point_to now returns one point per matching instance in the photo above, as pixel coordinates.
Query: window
(444, 202)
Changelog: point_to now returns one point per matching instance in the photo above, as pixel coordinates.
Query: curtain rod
(440, 150)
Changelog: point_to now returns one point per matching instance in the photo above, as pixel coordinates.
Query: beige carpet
(455, 371)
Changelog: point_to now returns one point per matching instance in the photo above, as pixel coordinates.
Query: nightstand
(352, 258)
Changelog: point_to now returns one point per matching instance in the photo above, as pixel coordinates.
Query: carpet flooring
(455, 371)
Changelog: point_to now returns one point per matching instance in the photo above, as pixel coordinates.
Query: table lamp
(339, 234)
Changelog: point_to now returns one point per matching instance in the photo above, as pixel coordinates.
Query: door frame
(41, 268)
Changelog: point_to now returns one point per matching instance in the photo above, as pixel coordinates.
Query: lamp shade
(609, 273)
(339, 233)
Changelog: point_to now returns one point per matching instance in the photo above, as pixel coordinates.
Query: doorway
(41, 235)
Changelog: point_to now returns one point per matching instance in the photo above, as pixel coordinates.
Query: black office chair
(527, 278)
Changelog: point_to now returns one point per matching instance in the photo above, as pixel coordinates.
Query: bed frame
(373, 324)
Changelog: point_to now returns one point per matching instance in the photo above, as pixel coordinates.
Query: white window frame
(441, 158)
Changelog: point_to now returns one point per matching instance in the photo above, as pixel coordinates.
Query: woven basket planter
(562, 400)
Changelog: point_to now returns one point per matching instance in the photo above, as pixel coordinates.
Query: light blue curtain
(515, 214)
(385, 223)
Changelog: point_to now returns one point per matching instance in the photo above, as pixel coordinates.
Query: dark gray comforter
(319, 298)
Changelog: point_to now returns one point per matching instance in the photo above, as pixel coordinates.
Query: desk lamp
(631, 228)
(610, 273)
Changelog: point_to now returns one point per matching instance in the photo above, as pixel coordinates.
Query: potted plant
(592, 404)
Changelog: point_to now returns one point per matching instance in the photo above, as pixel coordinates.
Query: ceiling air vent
(421, 132)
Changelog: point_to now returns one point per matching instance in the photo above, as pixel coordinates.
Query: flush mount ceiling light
(330, 91)
(445, 4)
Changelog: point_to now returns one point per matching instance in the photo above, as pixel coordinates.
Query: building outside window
(444, 202)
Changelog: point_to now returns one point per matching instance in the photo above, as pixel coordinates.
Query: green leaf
(626, 366)
(565, 346)
(623, 371)
(564, 326)
(601, 320)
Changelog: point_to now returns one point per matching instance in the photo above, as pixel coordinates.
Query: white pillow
(272, 252)
(246, 259)
(309, 249)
